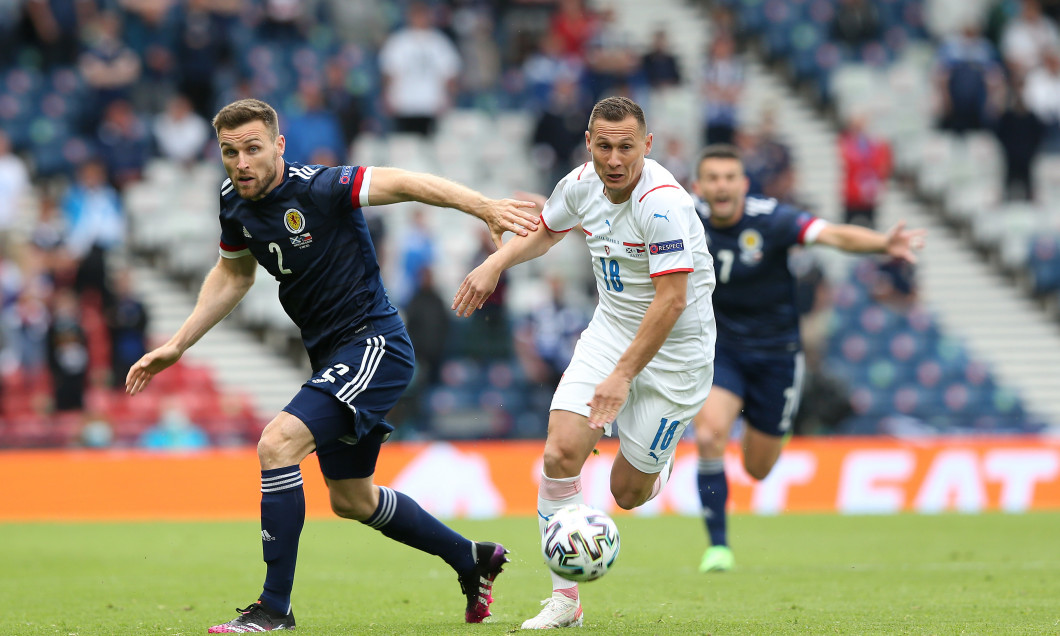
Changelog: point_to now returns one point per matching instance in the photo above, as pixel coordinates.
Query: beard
(263, 184)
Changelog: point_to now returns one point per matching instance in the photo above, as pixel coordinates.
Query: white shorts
(660, 406)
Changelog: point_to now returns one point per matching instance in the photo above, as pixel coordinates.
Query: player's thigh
(773, 385)
(661, 405)
(568, 444)
(344, 404)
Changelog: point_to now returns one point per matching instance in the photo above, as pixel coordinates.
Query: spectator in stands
(866, 163)
(93, 214)
(174, 432)
(417, 253)
(109, 67)
(312, 127)
(969, 80)
(547, 66)
(124, 143)
(14, 185)
(573, 25)
(420, 66)
(491, 334)
(149, 29)
(855, 23)
(1041, 94)
(285, 21)
(481, 56)
(1020, 133)
(427, 320)
(10, 18)
(722, 88)
(202, 50)
(675, 159)
(340, 99)
(611, 61)
(67, 352)
(57, 27)
(545, 341)
(1026, 38)
(126, 320)
(659, 64)
(559, 133)
(48, 239)
(180, 134)
(25, 326)
(767, 160)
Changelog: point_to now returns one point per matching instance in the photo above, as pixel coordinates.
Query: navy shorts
(344, 403)
(768, 383)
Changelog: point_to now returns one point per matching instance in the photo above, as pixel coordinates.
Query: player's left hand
(903, 244)
(476, 288)
(510, 215)
(608, 398)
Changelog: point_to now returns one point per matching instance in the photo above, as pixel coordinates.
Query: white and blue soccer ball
(580, 543)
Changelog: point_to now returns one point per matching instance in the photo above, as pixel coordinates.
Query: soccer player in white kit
(646, 358)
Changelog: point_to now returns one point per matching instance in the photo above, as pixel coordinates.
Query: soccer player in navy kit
(758, 359)
(304, 225)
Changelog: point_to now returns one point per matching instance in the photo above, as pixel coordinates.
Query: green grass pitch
(796, 574)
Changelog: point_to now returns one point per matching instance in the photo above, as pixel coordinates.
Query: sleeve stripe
(228, 251)
(672, 271)
(666, 185)
(551, 230)
(232, 248)
(587, 232)
(582, 170)
(361, 184)
(633, 244)
(808, 233)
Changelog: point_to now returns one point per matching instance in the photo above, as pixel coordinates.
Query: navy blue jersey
(310, 234)
(754, 301)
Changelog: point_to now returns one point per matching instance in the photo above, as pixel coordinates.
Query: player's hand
(140, 374)
(476, 288)
(510, 215)
(608, 398)
(537, 199)
(903, 244)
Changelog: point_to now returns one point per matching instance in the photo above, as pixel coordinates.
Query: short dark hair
(245, 111)
(616, 109)
(719, 151)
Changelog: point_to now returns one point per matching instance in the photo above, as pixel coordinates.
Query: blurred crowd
(94, 90)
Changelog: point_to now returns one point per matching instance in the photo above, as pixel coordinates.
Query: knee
(757, 469)
(628, 500)
(710, 440)
(357, 509)
(560, 462)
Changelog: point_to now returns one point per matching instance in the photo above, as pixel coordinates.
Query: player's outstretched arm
(898, 242)
(480, 283)
(671, 291)
(393, 185)
(225, 285)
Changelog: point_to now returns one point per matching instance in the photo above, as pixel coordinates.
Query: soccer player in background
(645, 358)
(758, 361)
(304, 225)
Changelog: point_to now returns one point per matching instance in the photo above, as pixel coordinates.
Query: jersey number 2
(275, 248)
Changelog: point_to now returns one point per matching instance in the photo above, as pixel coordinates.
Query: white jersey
(655, 232)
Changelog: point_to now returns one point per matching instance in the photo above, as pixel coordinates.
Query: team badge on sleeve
(293, 221)
(344, 177)
(667, 246)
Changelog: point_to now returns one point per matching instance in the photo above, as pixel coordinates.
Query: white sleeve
(665, 219)
(560, 213)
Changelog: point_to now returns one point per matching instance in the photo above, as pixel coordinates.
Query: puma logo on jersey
(608, 222)
(661, 216)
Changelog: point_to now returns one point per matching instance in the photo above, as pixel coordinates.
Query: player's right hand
(476, 288)
(140, 374)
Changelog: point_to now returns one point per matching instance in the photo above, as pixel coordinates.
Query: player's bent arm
(666, 307)
(393, 185)
(225, 285)
(482, 280)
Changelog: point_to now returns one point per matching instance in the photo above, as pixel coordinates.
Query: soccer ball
(580, 543)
